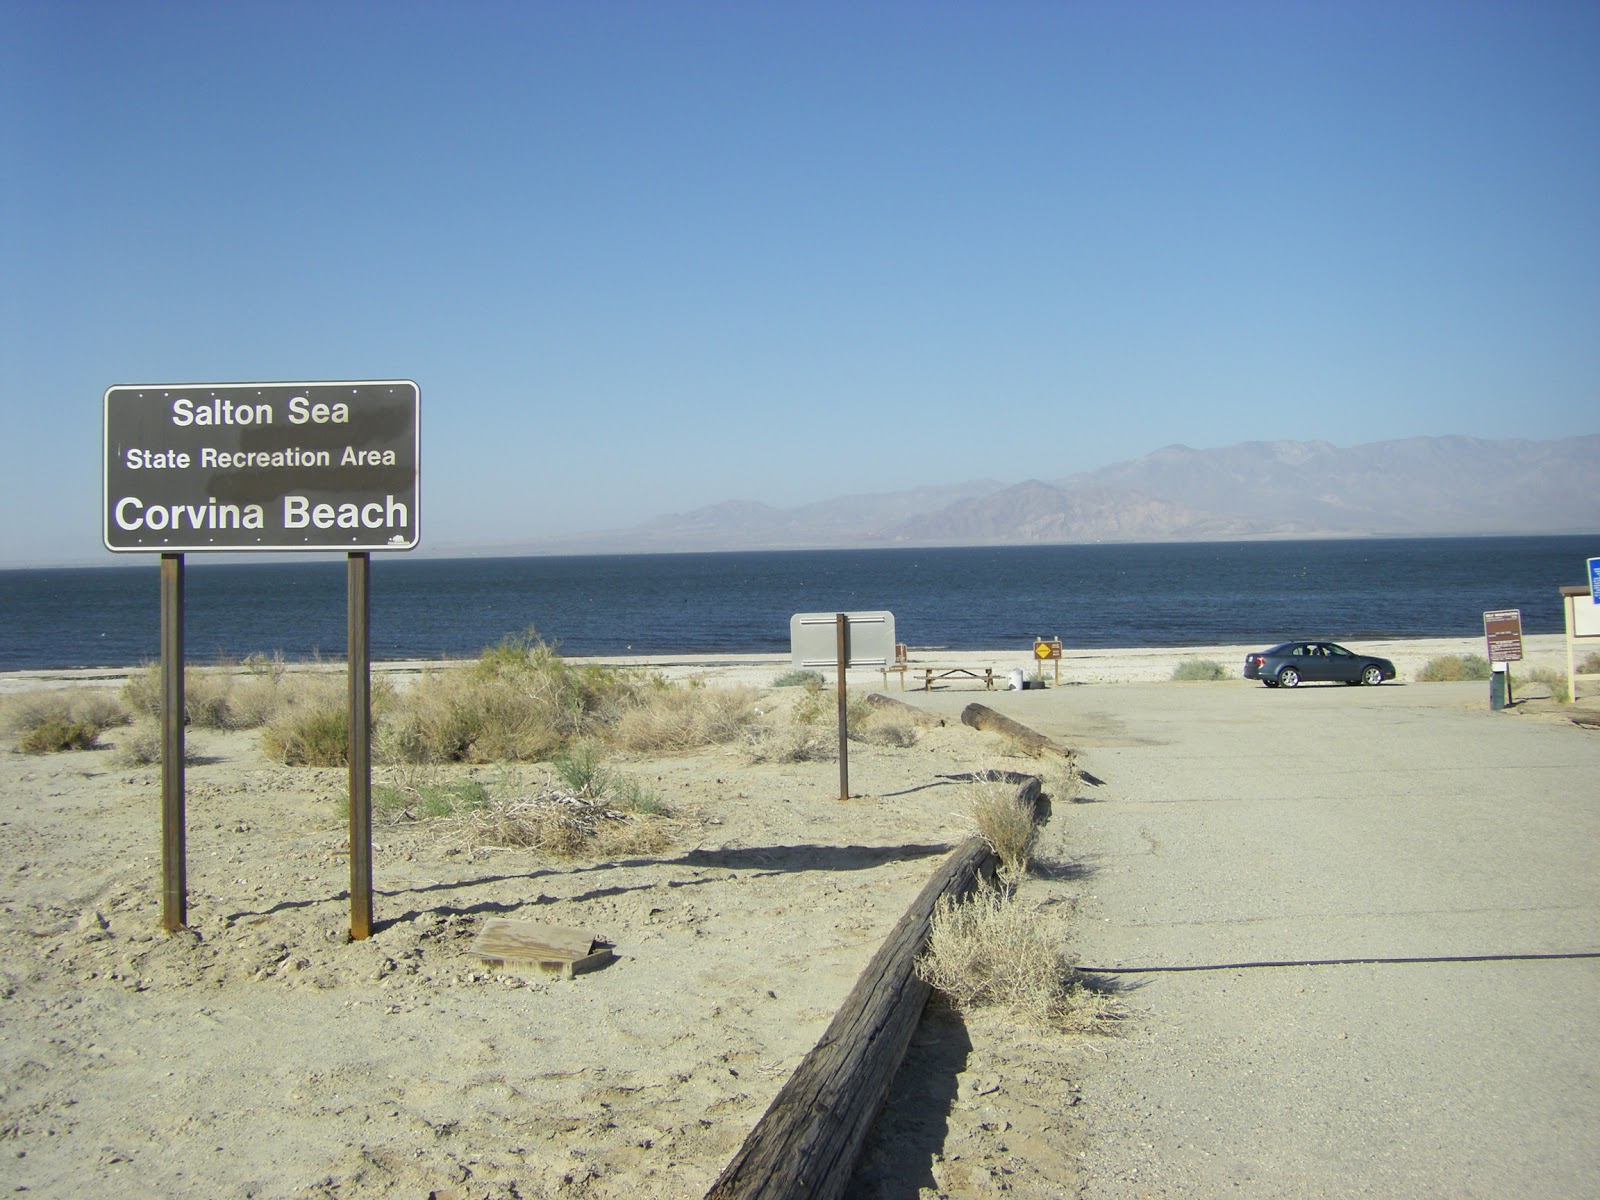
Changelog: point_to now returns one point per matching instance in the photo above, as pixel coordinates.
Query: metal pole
(174, 856)
(841, 624)
(359, 669)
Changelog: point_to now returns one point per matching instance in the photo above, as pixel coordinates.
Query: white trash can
(1015, 684)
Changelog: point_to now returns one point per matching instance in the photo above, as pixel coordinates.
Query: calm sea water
(988, 598)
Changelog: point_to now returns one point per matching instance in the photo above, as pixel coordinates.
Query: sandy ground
(262, 1053)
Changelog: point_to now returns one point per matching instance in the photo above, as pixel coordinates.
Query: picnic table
(930, 674)
(902, 663)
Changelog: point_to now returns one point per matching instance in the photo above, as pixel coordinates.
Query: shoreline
(1127, 664)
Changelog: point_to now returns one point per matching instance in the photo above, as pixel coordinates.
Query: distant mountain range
(1414, 486)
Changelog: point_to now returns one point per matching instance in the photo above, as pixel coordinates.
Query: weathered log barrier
(806, 1144)
(980, 717)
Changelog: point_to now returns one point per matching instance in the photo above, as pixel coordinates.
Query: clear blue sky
(643, 257)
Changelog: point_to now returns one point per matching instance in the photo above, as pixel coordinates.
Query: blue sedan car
(1294, 663)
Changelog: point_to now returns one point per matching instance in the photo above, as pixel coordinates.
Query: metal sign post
(1502, 630)
(359, 672)
(1048, 651)
(174, 854)
(842, 627)
(842, 640)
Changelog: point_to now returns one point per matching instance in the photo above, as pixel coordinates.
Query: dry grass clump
(1555, 680)
(591, 810)
(561, 826)
(989, 951)
(1590, 665)
(1204, 670)
(519, 702)
(244, 695)
(1454, 668)
(1006, 822)
(811, 732)
(55, 734)
(141, 746)
(662, 717)
(311, 724)
(49, 720)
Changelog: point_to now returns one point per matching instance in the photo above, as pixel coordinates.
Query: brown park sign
(1503, 630)
(262, 466)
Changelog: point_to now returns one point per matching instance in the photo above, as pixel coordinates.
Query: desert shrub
(312, 726)
(631, 796)
(1556, 681)
(141, 746)
(579, 768)
(141, 692)
(669, 718)
(49, 720)
(1590, 665)
(208, 698)
(561, 826)
(811, 732)
(884, 730)
(1006, 823)
(24, 712)
(54, 734)
(798, 678)
(1454, 668)
(518, 702)
(1203, 670)
(793, 742)
(427, 799)
(219, 697)
(988, 951)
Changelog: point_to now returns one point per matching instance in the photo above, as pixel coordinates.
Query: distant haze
(1439, 485)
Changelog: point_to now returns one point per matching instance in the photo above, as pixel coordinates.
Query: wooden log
(806, 1144)
(901, 708)
(981, 717)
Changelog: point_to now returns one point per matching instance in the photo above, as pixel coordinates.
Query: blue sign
(1594, 580)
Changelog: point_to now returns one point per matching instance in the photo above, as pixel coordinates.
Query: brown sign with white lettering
(1503, 630)
(262, 466)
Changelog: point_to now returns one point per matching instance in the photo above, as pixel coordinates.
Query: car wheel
(1371, 676)
(1288, 677)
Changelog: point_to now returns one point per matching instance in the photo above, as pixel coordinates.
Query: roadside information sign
(262, 466)
(1594, 580)
(1503, 630)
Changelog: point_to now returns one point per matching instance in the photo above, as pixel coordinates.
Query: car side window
(1339, 652)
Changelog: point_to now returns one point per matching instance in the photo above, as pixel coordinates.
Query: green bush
(424, 800)
(1455, 668)
(54, 734)
(48, 720)
(1199, 669)
(317, 735)
(518, 702)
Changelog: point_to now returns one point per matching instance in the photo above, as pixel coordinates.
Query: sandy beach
(262, 1053)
